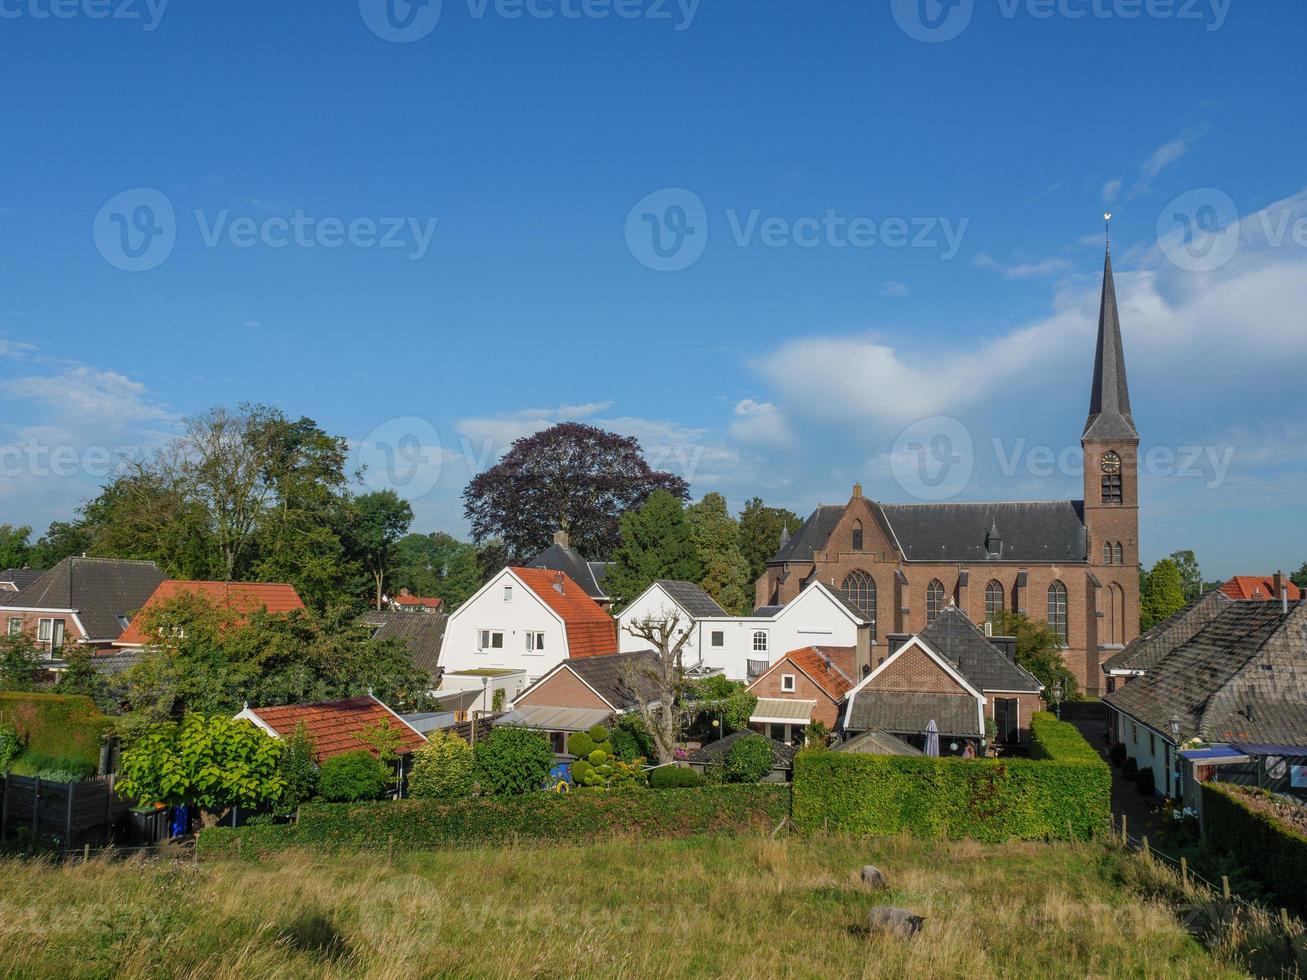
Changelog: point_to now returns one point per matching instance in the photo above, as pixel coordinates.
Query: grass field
(745, 907)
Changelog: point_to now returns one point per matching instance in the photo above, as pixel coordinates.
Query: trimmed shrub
(352, 776)
(749, 759)
(1118, 754)
(631, 740)
(442, 769)
(581, 772)
(1064, 791)
(512, 760)
(599, 733)
(674, 777)
(59, 726)
(51, 767)
(580, 744)
(1273, 851)
(547, 818)
(1144, 782)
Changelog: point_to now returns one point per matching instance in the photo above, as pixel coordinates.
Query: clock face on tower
(1111, 463)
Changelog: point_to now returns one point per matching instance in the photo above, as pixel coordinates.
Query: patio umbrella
(932, 738)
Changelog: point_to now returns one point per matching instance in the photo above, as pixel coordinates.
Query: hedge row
(1064, 793)
(65, 728)
(578, 817)
(1274, 852)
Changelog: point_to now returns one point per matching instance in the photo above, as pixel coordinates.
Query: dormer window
(857, 535)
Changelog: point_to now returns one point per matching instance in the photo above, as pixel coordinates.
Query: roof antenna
(1107, 224)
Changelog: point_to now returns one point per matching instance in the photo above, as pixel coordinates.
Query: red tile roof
(831, 668)
(241, 598)
(1258, 587)
(334, 725)
(405, 598)
(590, 631)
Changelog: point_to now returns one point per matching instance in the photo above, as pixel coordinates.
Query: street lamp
(1175, 737)
(1175, 729)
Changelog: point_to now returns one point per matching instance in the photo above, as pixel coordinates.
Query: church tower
(1111, 446)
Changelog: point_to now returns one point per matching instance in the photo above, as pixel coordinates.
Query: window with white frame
(760, 641)
(490, 640)
(787, 683)
(535, 642)
(15, 625)
(51, 631)
(718, 638)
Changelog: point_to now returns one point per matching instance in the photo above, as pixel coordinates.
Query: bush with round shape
(749, 759)
(674, 777)
(512, 760)
(352, 776)
(442, 769)
(580, 744)
(581, 771)
(599, 733)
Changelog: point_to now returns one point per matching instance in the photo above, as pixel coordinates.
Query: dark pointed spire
(1109, 399)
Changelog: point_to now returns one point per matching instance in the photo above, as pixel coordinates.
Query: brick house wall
(768, 685)
(914, 671)
(31, 623)
(563, 690)
(1027, 705)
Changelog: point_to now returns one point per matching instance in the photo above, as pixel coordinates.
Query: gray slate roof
(892, 711)
(1034, 531)
(20, 578)
(782, 754)
(615, 676)
(421, 632)
(100, 589)
(1109, 396)
(876, 742)
(1243, 677)
(1145, 650)
(968, 650)
(691, 598)
(589, 575)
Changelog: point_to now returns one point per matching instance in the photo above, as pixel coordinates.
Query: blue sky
(884, 239)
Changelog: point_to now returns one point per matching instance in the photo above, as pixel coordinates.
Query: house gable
(562, 688)
(914, 669)
(877, 539)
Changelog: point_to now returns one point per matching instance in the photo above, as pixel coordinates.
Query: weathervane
(1107, 222)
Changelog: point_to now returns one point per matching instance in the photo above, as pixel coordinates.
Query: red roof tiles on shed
(1259, 587)
(590, 631)
(336, 725)
(242, 598)
(830, 668)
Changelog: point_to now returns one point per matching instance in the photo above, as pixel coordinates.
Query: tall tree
(62, 540)
(760, 533)
(660, 684)
(1191, 576)
(655, 543)
(15, 547)
(380, 519)
(570, 477)
(724, 572)
(1039, 650)
(1163, 593)
(1299, 578)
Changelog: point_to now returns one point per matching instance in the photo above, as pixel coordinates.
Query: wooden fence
(74, 814)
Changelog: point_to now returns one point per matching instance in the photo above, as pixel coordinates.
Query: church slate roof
(958, 640)
(1146, 650)
(812, 535)
(1039, 531)
(1243, 677)
(1109, 397)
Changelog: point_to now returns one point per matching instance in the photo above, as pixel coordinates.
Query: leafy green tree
(724, 572)
(1191, 576)
(719, 699)
(1163, 593)
(442, 769)
(214, 763)
(571, 477)
(1299, 578)
(379, 520)
(463, 576)
(18, 662)
(352, 776)
(1039, 650)
(512, 760)
(631, 739)
(655, 544)
(420, 562)
(760, 533)
(11, 746)
(298, 767)
(749, 759)
(15, 547)
(62, 540)
(82, 677)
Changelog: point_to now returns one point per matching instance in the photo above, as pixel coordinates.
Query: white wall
(524, 613)
(813, 618)
(1149, 753)
(653, 604)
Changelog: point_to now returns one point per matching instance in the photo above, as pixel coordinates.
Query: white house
(742, 647)
(523, 619)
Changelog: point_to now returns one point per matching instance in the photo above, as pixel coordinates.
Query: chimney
(1282, 592)
(560, 538)
(857, 491)
(862, 652)
(558, 582)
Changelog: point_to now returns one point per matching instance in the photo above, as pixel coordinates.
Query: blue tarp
(1217, 753)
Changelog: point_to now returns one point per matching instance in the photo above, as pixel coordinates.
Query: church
(1072, 563)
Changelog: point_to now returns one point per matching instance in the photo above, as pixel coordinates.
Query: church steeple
(1109, 399)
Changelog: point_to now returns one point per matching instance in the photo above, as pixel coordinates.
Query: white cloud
(1022, 270)
(1111, 189)
(760, 423)
(1164, 156)
(894, 288)
(495, 433)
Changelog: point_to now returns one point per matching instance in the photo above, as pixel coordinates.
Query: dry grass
(701, 907)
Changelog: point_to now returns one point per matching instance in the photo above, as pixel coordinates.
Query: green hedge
(65, 727)
(578, 818)
(1275, 853)
(1063, 793)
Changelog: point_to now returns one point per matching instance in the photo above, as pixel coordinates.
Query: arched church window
(934, 599)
